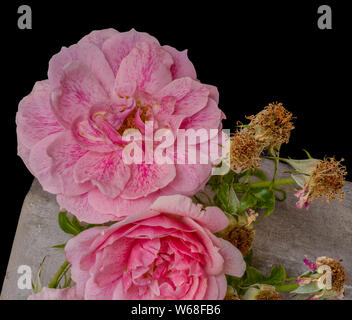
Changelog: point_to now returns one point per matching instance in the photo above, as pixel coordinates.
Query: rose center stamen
(129, 122)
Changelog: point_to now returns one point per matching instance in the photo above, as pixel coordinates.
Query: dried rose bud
(231, 294)
(240, 231)
(328, 180)
(313, 285)
(245, 150)
(338, 275)
(318, 179)
(272, 125)
(261, 292)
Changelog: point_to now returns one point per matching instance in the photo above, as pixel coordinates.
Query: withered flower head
(261, 292)
(268, 295)
(245, 150)
(326, 180)
(240, 232)
(242, 238)
(338, 275)
(231, 294)
(312, 280)
(272, 125)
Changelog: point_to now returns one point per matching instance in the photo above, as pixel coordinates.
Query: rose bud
(261, 292)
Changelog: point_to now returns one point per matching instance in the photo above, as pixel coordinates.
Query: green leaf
(234, 203)
(240, 188)
(260, 174)
(269, 211)
(66, 225)
(221, 197)
(244, 173)
(263, 194)
(234, 281)
(248, 201)
(277, 275)
(253, 276)
(228, 178)
(248, 257)
(265, 200)
(213, 181)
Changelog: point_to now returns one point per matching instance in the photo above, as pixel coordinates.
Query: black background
(255, 53)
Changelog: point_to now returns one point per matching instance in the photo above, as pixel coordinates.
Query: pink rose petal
(105, 170)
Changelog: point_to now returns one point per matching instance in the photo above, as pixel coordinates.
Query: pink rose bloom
(55, 294)
(167, 252)
(70, 126)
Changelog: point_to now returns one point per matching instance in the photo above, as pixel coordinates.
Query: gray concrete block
(36, 233)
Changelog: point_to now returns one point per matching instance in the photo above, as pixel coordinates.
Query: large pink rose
(168, 252)
(69, 127)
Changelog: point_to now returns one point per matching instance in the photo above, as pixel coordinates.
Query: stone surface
(37, 232)
(285, 237)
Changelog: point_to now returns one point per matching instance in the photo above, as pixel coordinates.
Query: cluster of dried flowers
(316, 179)
(267, 130)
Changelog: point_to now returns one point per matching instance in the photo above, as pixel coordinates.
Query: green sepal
(287, 287)
(59, 246)
(307, 288)
(306, 166)
(67, 225)
(37, 285)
